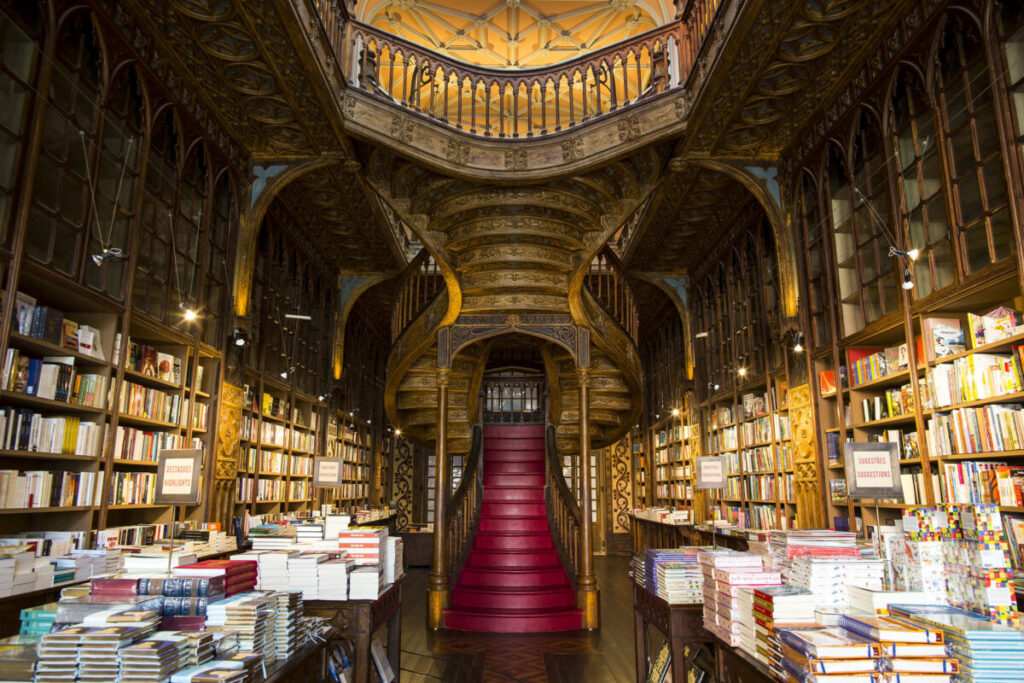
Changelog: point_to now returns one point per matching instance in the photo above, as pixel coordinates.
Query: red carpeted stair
(513, 581)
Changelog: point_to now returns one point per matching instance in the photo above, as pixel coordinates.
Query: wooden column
(437, 587)
(586, 582)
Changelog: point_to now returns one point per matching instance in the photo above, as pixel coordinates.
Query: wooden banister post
(586, 582)
(437, 587)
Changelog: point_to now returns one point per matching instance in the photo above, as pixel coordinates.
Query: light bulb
(799, 348)
(240, 341)
(190, 314)
(908, 284)
(913, 254)
(742, 372)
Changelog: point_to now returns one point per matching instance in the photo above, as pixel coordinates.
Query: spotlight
(369, 422)
(911, 254)
(239, 337)
(324, 397)
(701, 335)
(675, 412)
(908, 280)
(112, 252)
(714, 387)
(798, 347)
(351, 413)
(285, 373)
(190, 315)
(398, 432)
(742, 371)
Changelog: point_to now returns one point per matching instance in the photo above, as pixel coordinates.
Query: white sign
(873, 470)
(327, 472)
(710, 472)
(178, 477)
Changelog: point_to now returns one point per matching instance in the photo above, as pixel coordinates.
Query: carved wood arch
(469, 329)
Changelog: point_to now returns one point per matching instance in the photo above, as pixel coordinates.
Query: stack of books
(680, 583)
(58, 655)
(906, 649)
(98, 652)
(154, 659)
(335, 524)
(986, 652)
(39, 620)
(364, 545)
(828, 578)
(365, 583)
(721, 597)
(876, 601)
(289, 633)
(253, 616)
(273, 569)
(775, 607)
(303, 573)
(272, 536)
(978, 567)
(201, 647)
(309, 532)
(239, 575)
(393, 559)
(333, 579)
(822, 653)
(219, 671)
(156, 562)
(654, 558)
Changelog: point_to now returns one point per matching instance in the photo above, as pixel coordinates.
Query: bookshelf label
(177, 476)
(710, 472)
(873, 470)
(327, 473)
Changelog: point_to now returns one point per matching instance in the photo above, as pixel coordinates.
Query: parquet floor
(568, 657)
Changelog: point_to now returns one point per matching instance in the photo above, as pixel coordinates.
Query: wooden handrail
(463, 514)
(420, 283)
(563, 511)
(607, 281)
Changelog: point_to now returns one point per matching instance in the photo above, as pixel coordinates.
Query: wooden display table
(308, 664)
(690, 643)
(359, 620)
(680, 624)
(647, 533)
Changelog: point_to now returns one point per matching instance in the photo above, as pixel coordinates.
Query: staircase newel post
(586, 582)
(437, 588)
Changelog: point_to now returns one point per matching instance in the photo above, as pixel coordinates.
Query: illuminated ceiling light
(398, 432)
(742, 371)
(675, 412)
(913, 254)
(297, 316)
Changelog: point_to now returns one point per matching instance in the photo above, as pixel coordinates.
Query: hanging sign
(873, 470)
(178, 476)
(710, 472)
(327, 472)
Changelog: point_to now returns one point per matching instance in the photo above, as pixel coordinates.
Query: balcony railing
(420, 283)
(522, 103)
(607, 281)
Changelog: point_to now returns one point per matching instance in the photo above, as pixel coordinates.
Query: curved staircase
(513, 580)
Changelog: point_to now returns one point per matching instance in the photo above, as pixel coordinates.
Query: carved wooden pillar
(437, 588)
(586, 582)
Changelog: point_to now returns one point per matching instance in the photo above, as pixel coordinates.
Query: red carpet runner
(513, 581)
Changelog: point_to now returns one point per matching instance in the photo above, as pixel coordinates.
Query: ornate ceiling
(339, 220)
(515, 34)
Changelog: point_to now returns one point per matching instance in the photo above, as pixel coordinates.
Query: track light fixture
(323, 397)
(741, 371)
(911, 254)
(714, 387)
(187, 312)
(286, 373)
(798, 338)
(398, 432)
(908, 280)
(108, 253)
(240, 337)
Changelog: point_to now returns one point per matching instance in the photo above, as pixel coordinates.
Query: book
(888, 630)
(826, 642)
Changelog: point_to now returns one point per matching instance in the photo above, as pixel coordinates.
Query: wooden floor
(594, 657)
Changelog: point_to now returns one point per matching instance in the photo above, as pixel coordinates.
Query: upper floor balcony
(516, 103)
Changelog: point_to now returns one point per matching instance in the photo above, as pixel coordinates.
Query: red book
(182, 623)
(115, 587)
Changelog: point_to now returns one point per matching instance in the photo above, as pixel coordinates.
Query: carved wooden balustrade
(463, 513)
(607, 281)
(563, 511)
(420, 283)
(517, 400)
(524, 102)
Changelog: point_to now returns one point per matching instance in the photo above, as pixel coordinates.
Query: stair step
(509, 559)
(529, 444)
(514, 480)
(495, 455)
(514, 466)
(507, 432)
(514, 621)
(546, 578)
(473, 599)
(531, 509)
(513, 541)
(514, 494)
(512, 524)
